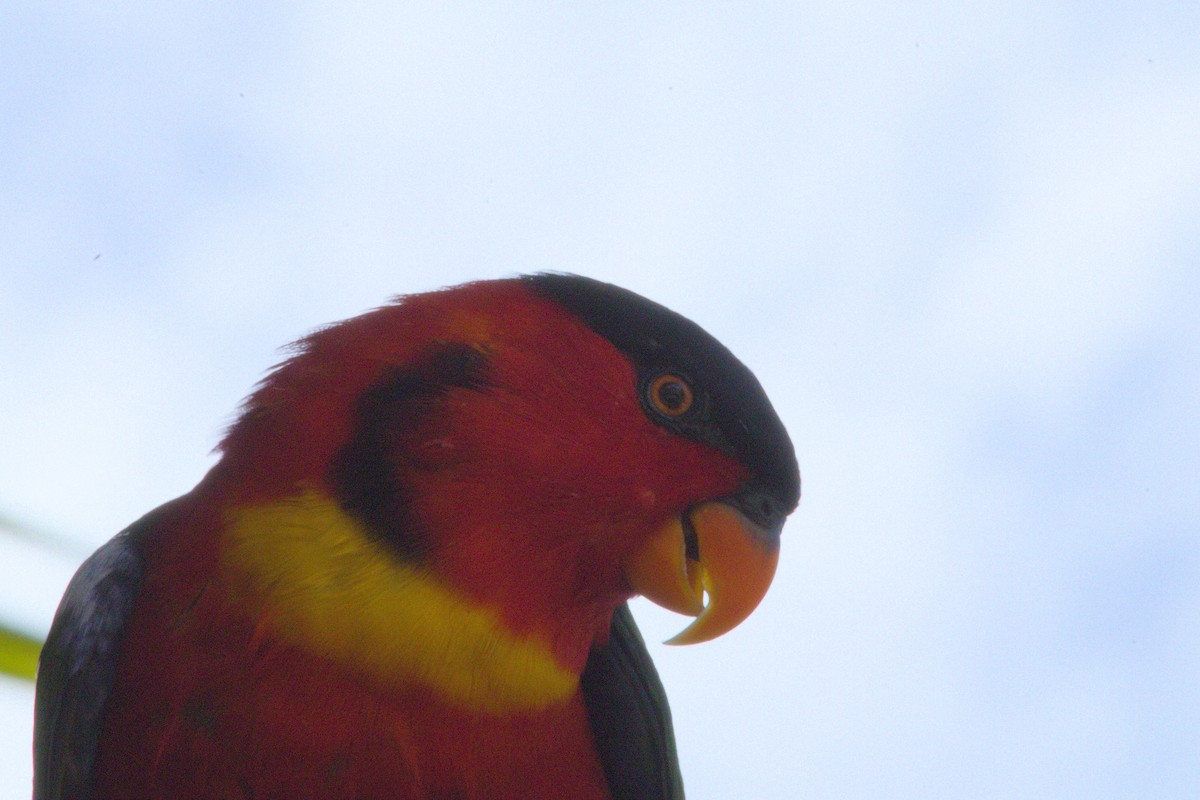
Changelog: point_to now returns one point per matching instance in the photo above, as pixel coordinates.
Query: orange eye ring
(670, 395)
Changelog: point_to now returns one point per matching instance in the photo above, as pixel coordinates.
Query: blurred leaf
(42, 538)
(18, 653)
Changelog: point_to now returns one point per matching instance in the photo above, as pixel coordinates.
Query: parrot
(407, 574)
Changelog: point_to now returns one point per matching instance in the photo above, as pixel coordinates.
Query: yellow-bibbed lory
(406, 576)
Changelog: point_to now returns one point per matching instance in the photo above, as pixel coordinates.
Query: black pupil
(672, 395)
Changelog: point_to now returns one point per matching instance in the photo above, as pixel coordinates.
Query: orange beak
(729, 558)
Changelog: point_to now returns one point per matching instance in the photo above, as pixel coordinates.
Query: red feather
(532, 490)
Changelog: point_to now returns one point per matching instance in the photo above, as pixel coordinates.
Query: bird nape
(406, 576)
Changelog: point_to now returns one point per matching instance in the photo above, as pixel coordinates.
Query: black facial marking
(730, 410)
(365, 473)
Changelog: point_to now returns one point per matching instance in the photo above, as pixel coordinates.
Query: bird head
(545, 447)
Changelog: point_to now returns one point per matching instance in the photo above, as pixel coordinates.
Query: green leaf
(42, 538)
(18, 653)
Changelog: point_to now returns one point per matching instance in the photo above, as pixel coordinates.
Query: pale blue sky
(957, 243)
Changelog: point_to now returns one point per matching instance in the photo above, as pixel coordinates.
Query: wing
(79, 662)
(630, 719)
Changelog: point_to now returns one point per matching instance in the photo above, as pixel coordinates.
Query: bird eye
(670, 395)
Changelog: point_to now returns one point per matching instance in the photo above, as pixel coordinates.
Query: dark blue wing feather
(630, 719)
(79, 662)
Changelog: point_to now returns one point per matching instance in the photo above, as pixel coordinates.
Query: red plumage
(208, 704)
